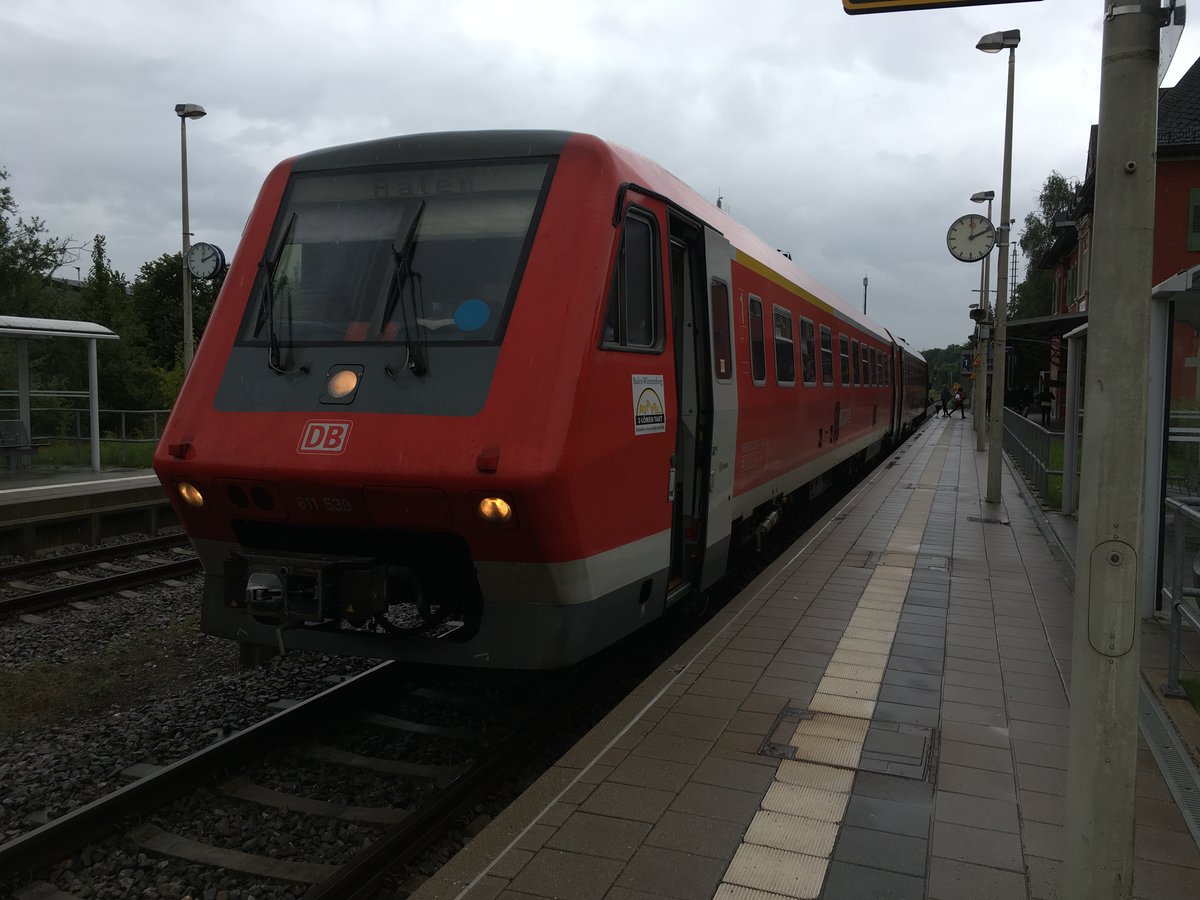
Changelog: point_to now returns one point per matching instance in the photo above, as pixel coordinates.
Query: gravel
(172, 691)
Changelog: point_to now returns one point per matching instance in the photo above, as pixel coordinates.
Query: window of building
(758, 353)
(808, 352)
(633, 320)
(826, 356)
(785, 351)
(722, 349)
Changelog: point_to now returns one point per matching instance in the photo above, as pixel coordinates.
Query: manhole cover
(846, 742)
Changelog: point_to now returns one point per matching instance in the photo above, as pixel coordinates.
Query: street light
(994, 43)
(981, 380)
(186, 111)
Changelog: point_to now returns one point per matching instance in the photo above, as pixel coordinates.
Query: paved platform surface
(27, 484)
(882, 714)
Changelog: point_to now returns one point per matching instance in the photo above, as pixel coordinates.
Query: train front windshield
(432, 255)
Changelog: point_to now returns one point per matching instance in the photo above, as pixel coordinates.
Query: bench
(15, 445)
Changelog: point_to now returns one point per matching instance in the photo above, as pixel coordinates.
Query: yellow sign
(854, 7)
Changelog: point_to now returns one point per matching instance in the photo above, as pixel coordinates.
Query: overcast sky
(850, 141)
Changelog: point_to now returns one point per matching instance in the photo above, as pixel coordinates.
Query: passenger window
(866, 366)
(722, 351)
(826, 356)
(633, 318)
(844, 347)
(855, 360)
(785, 350)
(758, 361)
(808, 352)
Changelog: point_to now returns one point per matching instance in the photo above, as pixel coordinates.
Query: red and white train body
(501, 398)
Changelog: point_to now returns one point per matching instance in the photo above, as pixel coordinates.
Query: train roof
(452, 146)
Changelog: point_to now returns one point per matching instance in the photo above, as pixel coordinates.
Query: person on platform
(944, 405)
(959, 403)
(1045, 400)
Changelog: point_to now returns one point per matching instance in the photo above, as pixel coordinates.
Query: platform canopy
(22, 328)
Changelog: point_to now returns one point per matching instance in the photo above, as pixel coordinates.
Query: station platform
(44, 507)
(883, 713)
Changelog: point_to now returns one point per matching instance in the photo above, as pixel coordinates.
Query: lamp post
(982, 378)
(994, 43)
(186, 111)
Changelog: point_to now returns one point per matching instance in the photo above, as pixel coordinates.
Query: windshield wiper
(267, 310)
(402, 274)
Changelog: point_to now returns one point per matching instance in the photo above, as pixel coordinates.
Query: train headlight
(191, 495)
(341, 384)
(495, 510)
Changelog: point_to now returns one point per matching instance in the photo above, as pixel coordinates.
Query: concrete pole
(187, 239)
(1102, 753)
(1004, 235)
(94, 404)
(23, 384)
(1075, 347)
(984, 347)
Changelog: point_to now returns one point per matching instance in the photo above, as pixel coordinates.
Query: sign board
(854, 7)
(968, 364)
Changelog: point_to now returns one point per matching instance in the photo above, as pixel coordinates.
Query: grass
(130, 666)
(1192, 686)
(70, 453)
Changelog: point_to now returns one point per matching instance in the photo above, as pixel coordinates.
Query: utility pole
(1102, 753)
(983, 333)
(994, 43)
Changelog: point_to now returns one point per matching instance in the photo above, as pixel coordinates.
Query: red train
(501, 398)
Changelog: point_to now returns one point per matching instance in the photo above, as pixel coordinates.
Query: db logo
(324, 437)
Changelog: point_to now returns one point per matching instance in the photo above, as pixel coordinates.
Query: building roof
(1179, 112)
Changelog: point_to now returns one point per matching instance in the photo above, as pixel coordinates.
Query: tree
(1035, 295)
(128, 377)
(157, 297)
(27, 253)
(945, 365)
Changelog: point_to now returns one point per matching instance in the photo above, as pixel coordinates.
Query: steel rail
(65, 836)
(89, 556)
(96, 587)
(404, 841)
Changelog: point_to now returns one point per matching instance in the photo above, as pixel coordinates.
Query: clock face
(205, 260)
(971, 238)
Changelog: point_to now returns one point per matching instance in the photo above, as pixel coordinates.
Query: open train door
(689, 481)
(694, 528)
(719, 302)
(702, 479)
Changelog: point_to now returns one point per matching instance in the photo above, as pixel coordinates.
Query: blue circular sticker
(471, 315)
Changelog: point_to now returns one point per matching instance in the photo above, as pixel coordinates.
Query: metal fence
(122, 428)
(1177, 596)
(1031, 448)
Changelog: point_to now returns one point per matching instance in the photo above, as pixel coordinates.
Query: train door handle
(671, 481)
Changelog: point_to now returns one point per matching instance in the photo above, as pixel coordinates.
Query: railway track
(40, 584)
(494, 733)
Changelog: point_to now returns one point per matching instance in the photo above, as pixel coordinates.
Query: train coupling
(302, 588)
